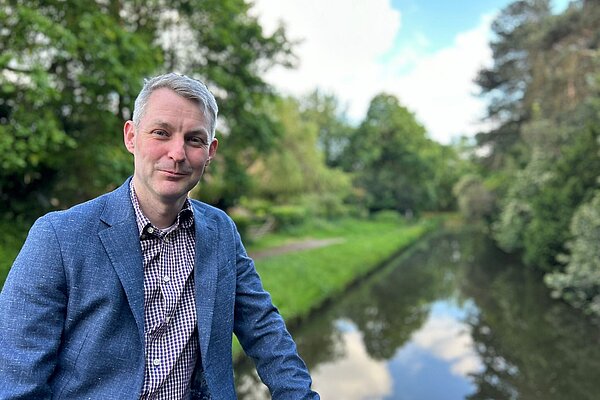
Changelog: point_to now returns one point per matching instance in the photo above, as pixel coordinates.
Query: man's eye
(197, 141)
(160, 132)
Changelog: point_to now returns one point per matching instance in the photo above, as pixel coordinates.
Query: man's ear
(129, 135)
(212, 148)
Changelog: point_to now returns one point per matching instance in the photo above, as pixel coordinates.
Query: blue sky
(426, 52)
(440, 20)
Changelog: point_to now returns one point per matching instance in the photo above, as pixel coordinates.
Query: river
(452, 318)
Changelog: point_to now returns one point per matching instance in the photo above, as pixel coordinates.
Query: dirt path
(295, 246)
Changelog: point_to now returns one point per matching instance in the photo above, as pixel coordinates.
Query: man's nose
(177, 149)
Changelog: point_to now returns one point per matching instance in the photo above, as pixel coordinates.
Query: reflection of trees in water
(396, 303)
(531, 346)
(387, 308)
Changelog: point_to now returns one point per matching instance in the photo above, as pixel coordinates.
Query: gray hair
(184, 86)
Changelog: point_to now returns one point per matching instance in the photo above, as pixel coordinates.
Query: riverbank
(303, 281)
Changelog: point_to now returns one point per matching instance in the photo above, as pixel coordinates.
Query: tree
(507, 82)
(69, 72)
(387, 156)
(66, 74)
(475, 201)
(296, 171)
(334, 131)
(579, 284)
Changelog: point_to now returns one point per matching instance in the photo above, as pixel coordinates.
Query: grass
(302, 281)
(12, 236)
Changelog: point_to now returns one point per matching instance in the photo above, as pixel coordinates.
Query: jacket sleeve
(264, 337)
(32, 311)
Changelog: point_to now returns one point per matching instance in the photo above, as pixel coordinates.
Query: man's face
(170, 146)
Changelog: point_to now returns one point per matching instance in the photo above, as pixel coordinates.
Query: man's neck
(161, 214)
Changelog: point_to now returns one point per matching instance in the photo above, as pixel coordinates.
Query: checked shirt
(171, 337)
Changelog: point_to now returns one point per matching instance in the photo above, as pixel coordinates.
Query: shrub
(579, 284)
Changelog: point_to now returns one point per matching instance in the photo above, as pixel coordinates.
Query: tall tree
(69, 72)
(334, 131)
(548, 107)
(506, 82)
(296, 169)
(387, 156)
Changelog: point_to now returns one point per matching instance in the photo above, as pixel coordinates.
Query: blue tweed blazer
(72, 309)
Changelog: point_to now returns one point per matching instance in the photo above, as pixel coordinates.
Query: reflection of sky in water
(434, 364)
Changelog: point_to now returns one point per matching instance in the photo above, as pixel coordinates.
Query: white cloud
(341, 42)
(440, 87)
(355, 376)
(449, 340)
(348, 48)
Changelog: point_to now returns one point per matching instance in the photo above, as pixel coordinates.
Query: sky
(425, 52)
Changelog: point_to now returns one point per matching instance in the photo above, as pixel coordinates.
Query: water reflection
(453, 319)
(355, 374)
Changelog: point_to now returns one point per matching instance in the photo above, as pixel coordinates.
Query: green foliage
(387, 154)
(294, 174)
(579, 284)
(13, 235)
(288, 215)
(65, 70)
(475, 201)
(516, 208)
(388, 216)
(334, 133)
(543, 88)
(69, 72)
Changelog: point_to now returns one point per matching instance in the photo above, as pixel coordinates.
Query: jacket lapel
(205, 276)
(121, 241)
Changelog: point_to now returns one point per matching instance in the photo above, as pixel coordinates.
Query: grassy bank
(301, 281)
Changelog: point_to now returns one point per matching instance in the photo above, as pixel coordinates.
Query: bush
(387, 216)
(288, 215)
(579, 284)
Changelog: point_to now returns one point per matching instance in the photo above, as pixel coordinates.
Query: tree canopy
(543, 155)
(69, 72)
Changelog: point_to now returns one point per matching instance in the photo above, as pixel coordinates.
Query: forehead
(165, 103)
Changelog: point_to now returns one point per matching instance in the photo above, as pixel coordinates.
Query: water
(455, 318)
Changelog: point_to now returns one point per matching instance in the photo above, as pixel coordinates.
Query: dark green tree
(69, 72)
(387, 155)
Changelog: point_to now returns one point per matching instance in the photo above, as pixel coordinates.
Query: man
(136, 294)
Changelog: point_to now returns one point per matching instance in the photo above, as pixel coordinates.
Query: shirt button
(150, 229)
(156, 362)
(166, 278)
